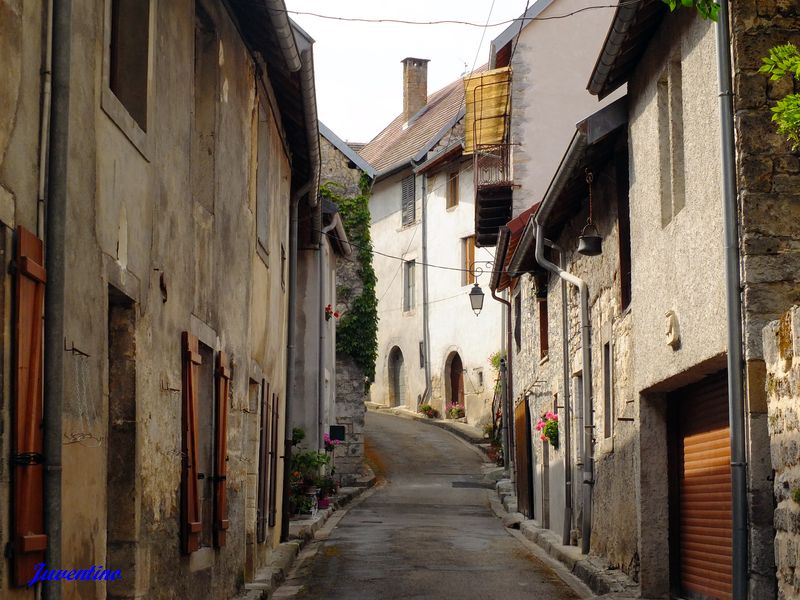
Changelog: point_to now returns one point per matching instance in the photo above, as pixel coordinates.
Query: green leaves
(708, 9)
(782, 61)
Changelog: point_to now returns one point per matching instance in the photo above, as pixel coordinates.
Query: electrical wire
(455, 21)
(519, 33)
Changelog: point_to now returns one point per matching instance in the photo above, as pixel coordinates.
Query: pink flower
(543, 437)
(540, 426)
(555, 417)
(549, 415)
(336, 314)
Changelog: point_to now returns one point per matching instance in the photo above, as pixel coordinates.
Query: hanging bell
(590, 242)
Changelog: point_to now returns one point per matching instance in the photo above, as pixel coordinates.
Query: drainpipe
(426, 330)
(507, 389)
(44, 124)
(586, 340)
(290, 348)
(323, 333)
(565, 532)
(56, 211)
(734, 308)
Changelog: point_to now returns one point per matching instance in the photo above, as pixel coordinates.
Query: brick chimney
(415, 85)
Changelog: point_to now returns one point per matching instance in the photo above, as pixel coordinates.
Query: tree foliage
(708, 9)
(357, 330)
(785, 61)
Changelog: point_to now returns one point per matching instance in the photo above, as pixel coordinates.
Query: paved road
(429, 532)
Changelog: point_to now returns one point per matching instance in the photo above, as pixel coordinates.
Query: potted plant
(429, 411)
(455, 410)
(548, 426)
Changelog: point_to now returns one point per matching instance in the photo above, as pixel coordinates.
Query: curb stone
(301, 532)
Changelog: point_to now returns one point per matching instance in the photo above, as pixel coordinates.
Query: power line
(456, 21)
(519, 33)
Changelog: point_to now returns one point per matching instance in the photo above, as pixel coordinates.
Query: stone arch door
(454, 378)
(397, 378)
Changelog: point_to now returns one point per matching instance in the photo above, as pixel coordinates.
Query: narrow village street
(427, 532)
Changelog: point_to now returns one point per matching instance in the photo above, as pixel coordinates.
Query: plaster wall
(133, 225)
(551, 66)
(396, 327)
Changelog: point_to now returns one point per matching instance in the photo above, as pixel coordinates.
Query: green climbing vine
(782, 61)
(708, 9)
(357, 330)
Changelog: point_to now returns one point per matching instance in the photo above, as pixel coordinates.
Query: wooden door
(702, 512)
(523, 454)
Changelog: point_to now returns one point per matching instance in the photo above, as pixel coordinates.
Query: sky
(357, 65)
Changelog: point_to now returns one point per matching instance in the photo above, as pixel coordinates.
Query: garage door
(704, 495)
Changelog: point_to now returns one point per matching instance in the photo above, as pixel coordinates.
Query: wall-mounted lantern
(476, 299)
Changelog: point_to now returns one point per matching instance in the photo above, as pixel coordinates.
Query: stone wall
(768, 182)
(351, 390)
(781, 345)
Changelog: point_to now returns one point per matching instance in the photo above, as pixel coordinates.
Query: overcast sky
(358, 71)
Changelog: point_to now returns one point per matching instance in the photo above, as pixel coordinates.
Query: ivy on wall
(784, 61)
(708, 9)
(357, 330)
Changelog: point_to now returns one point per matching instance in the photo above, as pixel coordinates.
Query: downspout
(426, 331)
(290, 350)
(44, 125)
(323, 333)
(506, 389)
(55, 227)
(567, 528)
(734, 308)
(586, 340)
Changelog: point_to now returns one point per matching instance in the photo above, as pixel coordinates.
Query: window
(670, 133)
(205, 441)
(518, 321)
(204, 122)
(409, 272)
(624, 220)
(128, 60)
(468, 275)
(422, 355)
(479, 373)
(408, 204)
(452, 190)
(262, 181)
(544, 339)
(608, 392)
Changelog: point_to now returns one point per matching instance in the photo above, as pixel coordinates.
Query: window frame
(409, 284)
(111, 105)
(452, 190)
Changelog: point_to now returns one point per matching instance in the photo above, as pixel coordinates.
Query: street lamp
(476, 299)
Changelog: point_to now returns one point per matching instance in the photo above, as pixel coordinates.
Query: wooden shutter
(30, 540)
(469, 260)
(191, 525)
(704, 459)
(523, 449)
(273, 465)
(408, 204)
(452, 190)
(263, 466)
(223, 377)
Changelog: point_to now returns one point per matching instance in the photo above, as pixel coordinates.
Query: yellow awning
(488, 101)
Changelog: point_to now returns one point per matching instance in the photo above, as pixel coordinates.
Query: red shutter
(273, 466)
(221, 454)
(29, 538)
(191, 526)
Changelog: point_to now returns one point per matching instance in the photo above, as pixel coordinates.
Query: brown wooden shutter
(523, 449)
(263, 466)
(221, 451)
(408, 204)
(273, 467)
(191, 526)
(705, 522)
(30, 540)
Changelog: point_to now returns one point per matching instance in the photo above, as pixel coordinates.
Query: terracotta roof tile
(397, 144)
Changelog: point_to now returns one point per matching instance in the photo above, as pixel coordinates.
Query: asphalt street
(428, 532)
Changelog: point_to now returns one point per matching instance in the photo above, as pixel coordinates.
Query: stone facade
(350, 383)
(161, 239)
(781, 345)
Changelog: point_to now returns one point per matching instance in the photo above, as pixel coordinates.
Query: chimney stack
(415, 86)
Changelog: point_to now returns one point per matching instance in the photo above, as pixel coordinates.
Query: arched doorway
(454, 378)
(397, 378)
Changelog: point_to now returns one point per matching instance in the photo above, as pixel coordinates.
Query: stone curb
(301, 532)
(593, 571)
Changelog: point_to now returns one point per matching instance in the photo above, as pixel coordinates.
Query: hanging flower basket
(548, 428)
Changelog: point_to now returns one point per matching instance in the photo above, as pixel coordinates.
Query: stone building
(658, 462)
(431, 347)
(159, 183)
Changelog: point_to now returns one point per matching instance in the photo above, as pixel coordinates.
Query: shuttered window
(263, 465)
(408, 204)
(452, 190)
(544, 329)
(469, 261)
(191, 524)
(30, 540)
(223, 383)
(273, 462)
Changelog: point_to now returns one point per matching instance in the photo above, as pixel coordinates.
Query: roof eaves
(420, 156)
(499, 258)
(509, 32)
(526, 240)
(349, 153)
